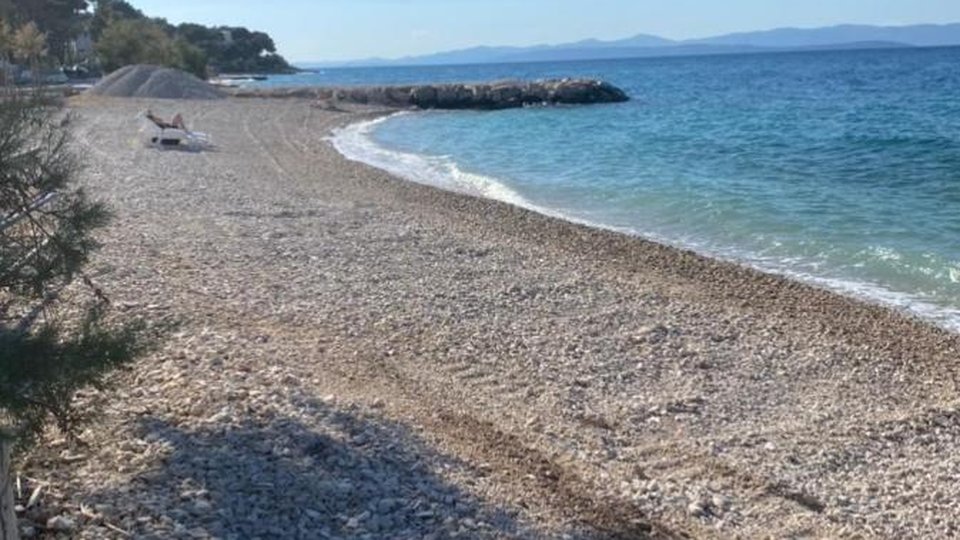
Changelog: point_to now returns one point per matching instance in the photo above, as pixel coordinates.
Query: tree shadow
(346, 475)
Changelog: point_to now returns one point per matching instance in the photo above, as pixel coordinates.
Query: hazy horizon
(336, 30)
(626, 47)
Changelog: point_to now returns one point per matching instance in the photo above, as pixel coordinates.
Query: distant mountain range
(847, 36)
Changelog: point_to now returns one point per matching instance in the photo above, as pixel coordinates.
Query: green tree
(30, 45)
(246, 51)
(142, 41)
(6, 51)
(107, 11)
(7, 10)
(51, 343)
(190, 58)
(126, 42)
(6, 39)
(235, 49)
(60, 20)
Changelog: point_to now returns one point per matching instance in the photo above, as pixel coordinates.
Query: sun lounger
(174, 134)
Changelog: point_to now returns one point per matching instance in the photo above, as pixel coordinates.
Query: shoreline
(942, 317)
(459, 365)
(617, 245)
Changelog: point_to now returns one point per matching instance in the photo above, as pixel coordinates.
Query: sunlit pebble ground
(358, 356)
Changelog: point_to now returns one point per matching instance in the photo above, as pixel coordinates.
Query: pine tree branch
(38, 202)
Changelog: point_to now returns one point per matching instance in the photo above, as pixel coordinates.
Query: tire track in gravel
(515, 462)
(447, 393)
(293, 117)
(265, 149)
(289, 123)
(544, 482)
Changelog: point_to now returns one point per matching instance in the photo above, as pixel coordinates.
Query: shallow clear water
(841, 168)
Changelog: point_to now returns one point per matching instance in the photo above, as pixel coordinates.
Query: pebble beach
(352, 355)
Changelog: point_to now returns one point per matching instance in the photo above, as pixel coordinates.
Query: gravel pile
(361, 357)
(144, 81)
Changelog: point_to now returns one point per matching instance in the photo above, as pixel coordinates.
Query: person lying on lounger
(176, 123)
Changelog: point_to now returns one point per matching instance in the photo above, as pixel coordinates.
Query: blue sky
(308, 30)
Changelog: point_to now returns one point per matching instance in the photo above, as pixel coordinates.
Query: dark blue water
(840, 168)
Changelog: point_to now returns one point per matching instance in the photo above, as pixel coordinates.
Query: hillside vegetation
(102, 36)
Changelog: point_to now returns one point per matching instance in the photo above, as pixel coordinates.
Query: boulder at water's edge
(499, 95)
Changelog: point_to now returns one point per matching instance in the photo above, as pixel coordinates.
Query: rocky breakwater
(498, 95)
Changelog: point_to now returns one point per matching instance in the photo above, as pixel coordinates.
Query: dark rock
(399, 96)
(498, 95)
(361, 95)
(507, 95)
(422, 96)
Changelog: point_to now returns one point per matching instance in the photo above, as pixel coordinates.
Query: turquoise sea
(837, 168)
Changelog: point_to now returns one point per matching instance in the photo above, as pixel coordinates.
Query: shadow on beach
(354, 477)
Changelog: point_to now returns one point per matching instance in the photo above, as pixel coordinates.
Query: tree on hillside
(240, 50)
(6, 49)
(113, 26)
(54, 337)
(225, 48)
(125, 42)
(107, 11)
(190, 58)
(235, 49)
(60, 20)
(141, 41)
(29, 45)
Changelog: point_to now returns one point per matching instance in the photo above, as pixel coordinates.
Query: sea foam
(354, 142)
